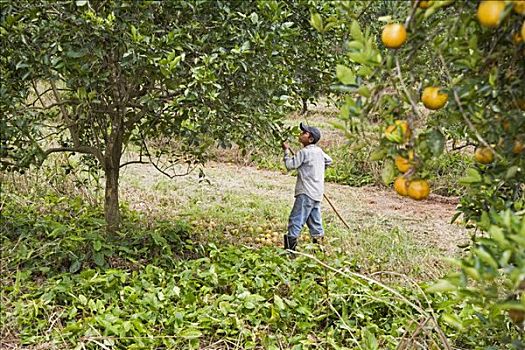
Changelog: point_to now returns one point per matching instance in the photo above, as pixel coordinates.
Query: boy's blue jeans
(305, 210)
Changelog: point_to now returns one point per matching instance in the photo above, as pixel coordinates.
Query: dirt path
(427, 221)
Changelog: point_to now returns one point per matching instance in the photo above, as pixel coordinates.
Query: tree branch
(471, 126)
(38, 95)
(407, 93)
(133, 162)
(162, 171)
(411, 16)
(81, 149)
(72, 127)
(56, 104)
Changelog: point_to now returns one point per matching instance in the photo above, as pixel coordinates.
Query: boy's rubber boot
(318, 240)
(290, 243)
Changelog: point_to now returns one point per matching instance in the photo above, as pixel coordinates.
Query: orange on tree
(394, 35)
(432, 98)
(517, 316)
(402, 163)
(519, 7)
(418, 189)
(484, 155)
(516, 38)
(423, 4)
(490, 12)
(398, 132)
(401, 185)
(505, 124)
(518, 147)
(521, 103)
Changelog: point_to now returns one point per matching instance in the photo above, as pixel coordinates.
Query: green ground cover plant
(157, 284)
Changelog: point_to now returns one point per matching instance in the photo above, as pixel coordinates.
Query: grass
(186, 273)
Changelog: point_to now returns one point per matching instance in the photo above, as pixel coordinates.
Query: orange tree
(97, 78)
(443, 73)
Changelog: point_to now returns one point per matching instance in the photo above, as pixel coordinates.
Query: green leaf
(473, 176)
(190, 333)
(356, 45)
(75, 266)
(97, 245)
(81, 3)
(278, 302)
(364, 91)
(512, 171)
(254, 18)
(75, 54)
(317, 22)
(358, 57)
(486, 257)
(344, 113)
(370, 340)
(496, 233)
(364, 71)
(484, 222)
(512, 306)
(356, 32)
(453, 320)
(98, 258)
(442, 286)
(378, 154)
(345, 75)
(505, 258)
(388, 172)
(472, 273)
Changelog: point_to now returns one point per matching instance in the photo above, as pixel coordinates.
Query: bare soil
(428, 220)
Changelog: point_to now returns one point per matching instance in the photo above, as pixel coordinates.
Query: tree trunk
(112, 172)
(111, 203)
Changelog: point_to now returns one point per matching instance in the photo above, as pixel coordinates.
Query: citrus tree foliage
(450, 74)
(97, 77)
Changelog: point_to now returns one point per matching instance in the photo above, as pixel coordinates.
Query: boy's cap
(314, 132)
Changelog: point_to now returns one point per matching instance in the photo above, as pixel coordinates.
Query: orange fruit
(523, 30)
(418, 189)
(484, 155)
(402, 164)
(518, 147)
(517, 316)
(401, 185)
(489, 13)
(521, 103)
(394, 35)
(432, 98)
(424, 4)
(506, 124)
(516, 38)
(398, 132)
(519, 7)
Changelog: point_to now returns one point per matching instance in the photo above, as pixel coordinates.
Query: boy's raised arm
(293, 162)
(327, 160)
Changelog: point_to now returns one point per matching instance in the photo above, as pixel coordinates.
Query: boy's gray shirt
(310, 163)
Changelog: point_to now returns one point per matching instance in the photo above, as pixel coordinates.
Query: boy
(310, 163)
